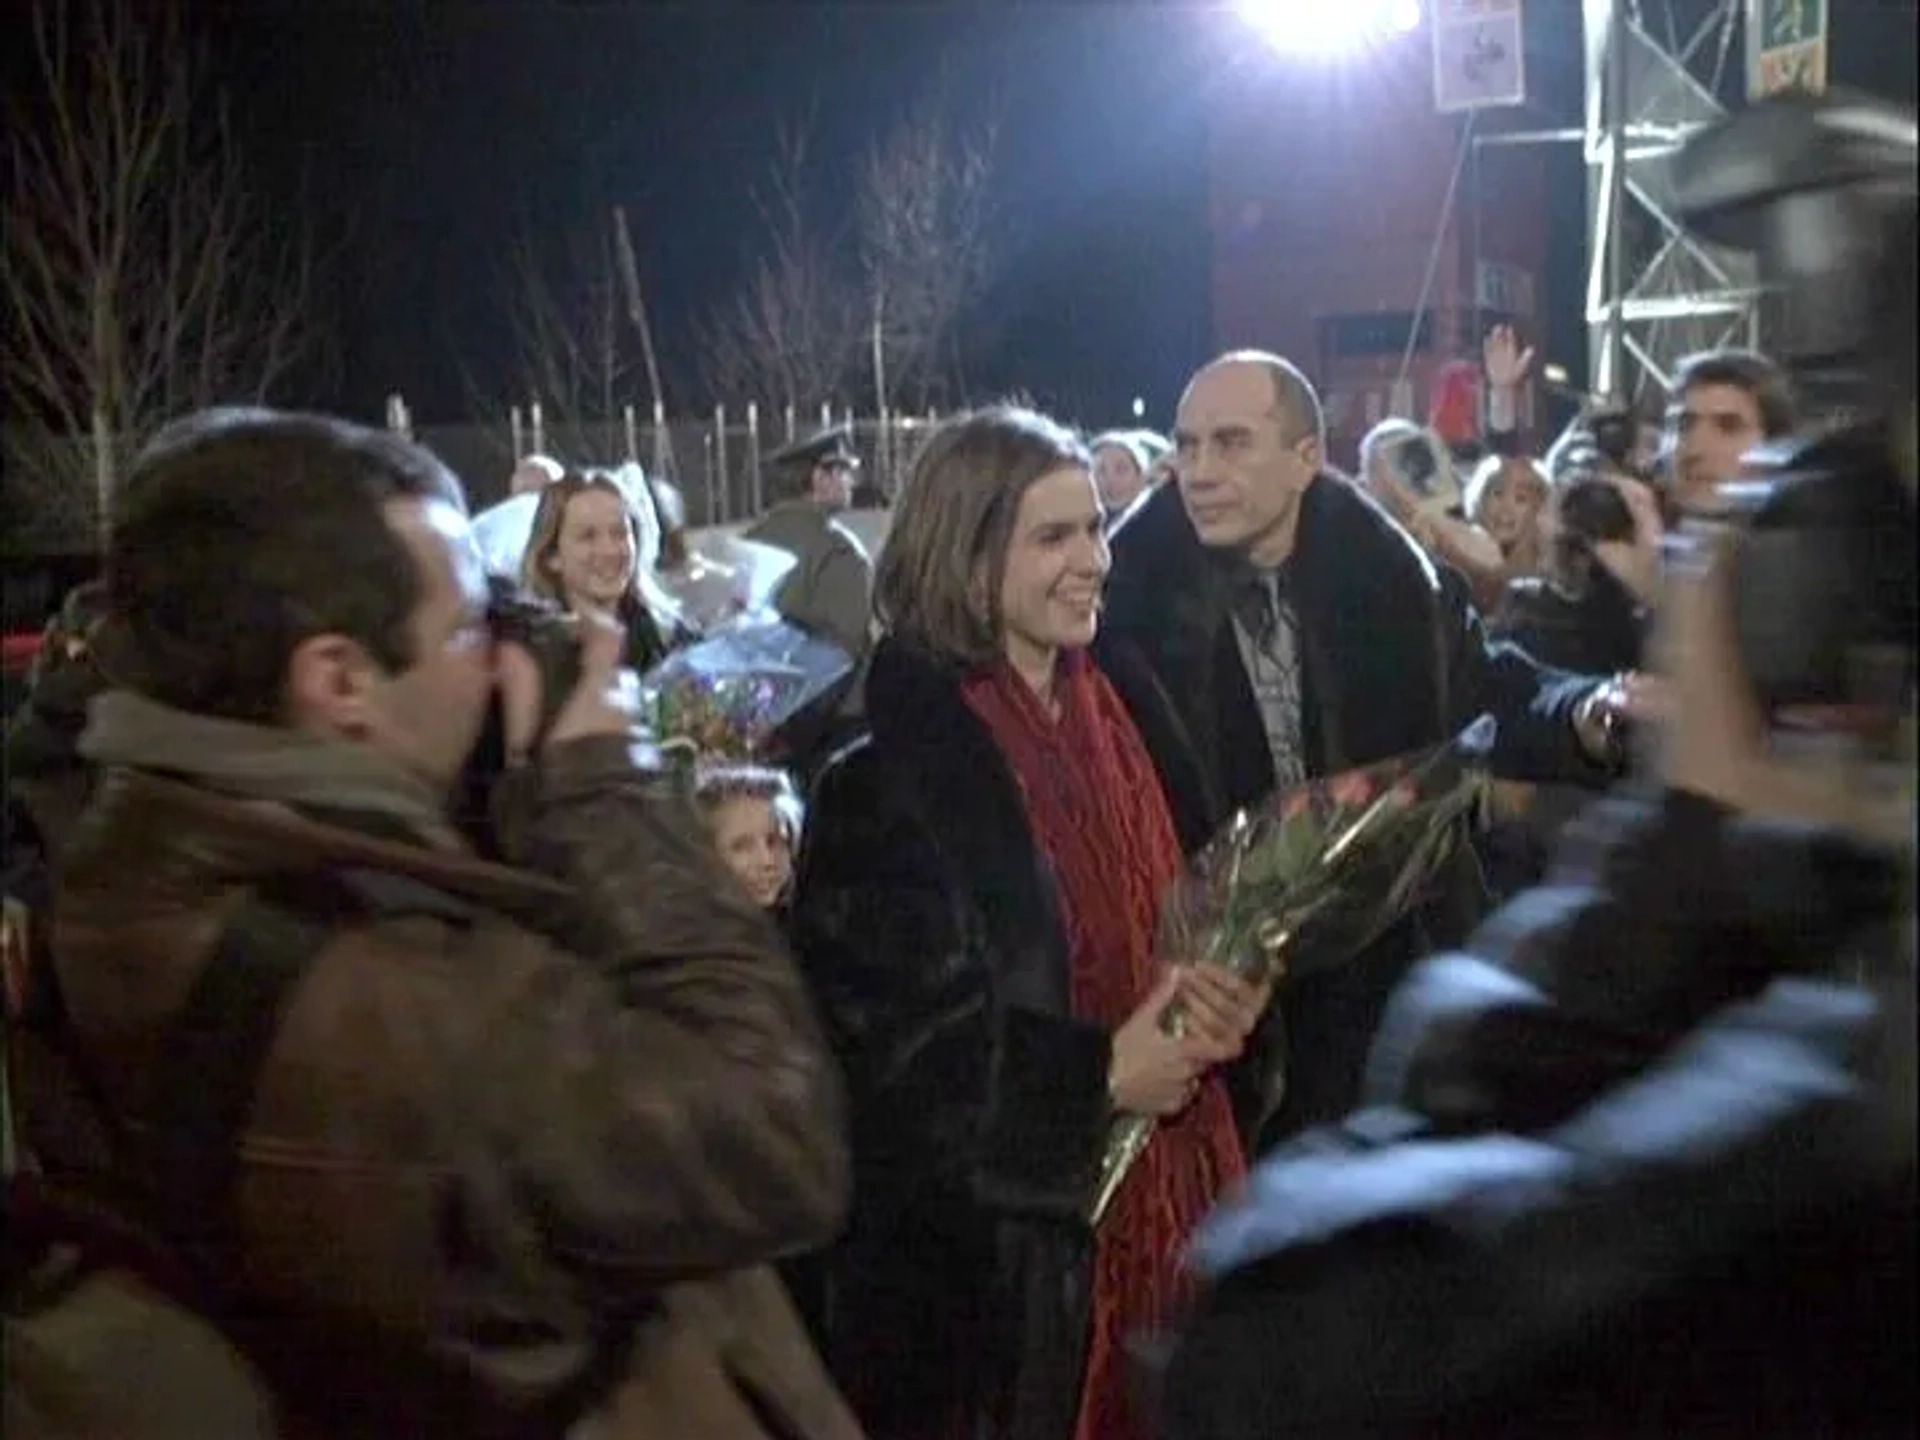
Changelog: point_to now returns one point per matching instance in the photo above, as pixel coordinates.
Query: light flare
(1330, 28)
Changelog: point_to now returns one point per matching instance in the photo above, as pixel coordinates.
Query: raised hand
(603, 702)
(1506, 363)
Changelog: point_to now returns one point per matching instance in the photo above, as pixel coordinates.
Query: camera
(1420, 464)
(1413, 461)
(517, 617)
(1822, 190)
(539, 628)
(1824, 581)
(1616, 435)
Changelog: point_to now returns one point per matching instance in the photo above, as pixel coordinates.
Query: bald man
(1300, 632)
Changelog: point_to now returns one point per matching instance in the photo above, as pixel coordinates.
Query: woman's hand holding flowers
(1220, 1006)
(1153, 1072)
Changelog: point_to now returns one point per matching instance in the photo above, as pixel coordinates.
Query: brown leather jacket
(492, 1182)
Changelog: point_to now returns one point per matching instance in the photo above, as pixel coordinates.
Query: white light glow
(1330, 27)
(1139, 408)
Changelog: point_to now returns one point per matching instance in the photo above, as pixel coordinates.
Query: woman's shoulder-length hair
(643, 522)
(937, 581)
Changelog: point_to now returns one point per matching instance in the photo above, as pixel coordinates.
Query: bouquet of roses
(732, 695)
(1308, 879)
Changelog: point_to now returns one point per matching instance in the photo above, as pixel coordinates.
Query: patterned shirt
(1267, 630)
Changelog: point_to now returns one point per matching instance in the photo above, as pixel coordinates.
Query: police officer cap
(829, 447)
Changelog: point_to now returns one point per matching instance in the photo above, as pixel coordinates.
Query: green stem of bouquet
(1129, 1134)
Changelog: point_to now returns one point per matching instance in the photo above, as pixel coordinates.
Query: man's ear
(1314, 453)
(331, 683)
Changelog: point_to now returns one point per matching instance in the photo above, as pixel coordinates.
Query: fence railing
(718, 461)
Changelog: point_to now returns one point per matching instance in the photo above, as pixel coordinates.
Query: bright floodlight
(1330, 27)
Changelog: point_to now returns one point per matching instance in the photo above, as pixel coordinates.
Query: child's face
(753, 842)
(1510, 507)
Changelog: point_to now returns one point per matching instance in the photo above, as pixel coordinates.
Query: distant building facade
(1329, 181)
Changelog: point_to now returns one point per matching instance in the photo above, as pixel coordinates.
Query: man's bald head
(1295, 403)
(1249, 443)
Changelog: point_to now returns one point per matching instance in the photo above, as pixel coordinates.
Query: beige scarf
(259, 762)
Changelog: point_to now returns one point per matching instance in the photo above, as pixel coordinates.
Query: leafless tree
(790, 334)
(922, 209)
(575, 354)
(141, 275)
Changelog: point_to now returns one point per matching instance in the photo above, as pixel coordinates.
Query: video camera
(1821, 189)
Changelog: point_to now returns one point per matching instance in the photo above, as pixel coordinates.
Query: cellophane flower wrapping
(733, 695)
(1306, 880)
(725, 580)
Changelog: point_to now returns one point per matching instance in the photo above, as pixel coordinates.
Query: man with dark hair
(830, 589)
(445, 1147)
(1725, 404)
(1299, 632)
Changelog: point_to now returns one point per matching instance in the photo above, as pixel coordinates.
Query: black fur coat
(1393, 659)
(928, 925)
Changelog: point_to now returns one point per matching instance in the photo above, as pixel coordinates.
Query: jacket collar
(1366, 598)
(261, 762)
(145, 831)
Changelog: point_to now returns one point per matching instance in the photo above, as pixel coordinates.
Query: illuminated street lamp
(1330, 28)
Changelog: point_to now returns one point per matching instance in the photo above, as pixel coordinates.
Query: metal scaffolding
(1655, 72)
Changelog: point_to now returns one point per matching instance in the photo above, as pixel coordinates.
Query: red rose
(1350, 791)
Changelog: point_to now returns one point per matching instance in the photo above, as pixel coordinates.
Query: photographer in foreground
(444, 1148)
(1642, 1162)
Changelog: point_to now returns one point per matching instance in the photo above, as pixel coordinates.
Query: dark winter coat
(1642, 1165)
(928, 923)
(1599, 631)
(1393, 659)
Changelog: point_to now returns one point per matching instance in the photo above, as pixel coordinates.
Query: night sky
(428, 135)
(437, 133)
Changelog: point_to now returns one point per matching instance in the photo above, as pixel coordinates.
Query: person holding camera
(1410, 472)
(441, 1146)
(1589, 607)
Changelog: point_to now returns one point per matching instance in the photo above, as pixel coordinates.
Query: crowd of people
(770, 1100)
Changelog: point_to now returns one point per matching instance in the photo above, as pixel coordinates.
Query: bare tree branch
(790, 334)
(922, 209)
(140, 275)
(571, 332)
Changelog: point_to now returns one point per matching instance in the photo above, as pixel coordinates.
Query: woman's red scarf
(1094, 801)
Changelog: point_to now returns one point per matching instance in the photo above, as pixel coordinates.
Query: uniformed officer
(830, 590)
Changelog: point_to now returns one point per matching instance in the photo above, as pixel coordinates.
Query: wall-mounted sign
(1479, 58)
(1786, 47)
(1504, 289)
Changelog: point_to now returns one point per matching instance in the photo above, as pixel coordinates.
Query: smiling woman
(588, 552)
(976, 908)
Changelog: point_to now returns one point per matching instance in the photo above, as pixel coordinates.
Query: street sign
(1786, 47)
(1479, 55)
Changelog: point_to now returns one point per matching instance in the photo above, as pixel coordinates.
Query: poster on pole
(1479, 55)
(1786, 47)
